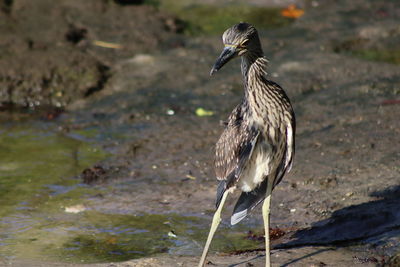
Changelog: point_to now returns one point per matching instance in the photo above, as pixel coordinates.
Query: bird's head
(238, 41)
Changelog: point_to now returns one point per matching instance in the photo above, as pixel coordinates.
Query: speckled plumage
(257, 146)
(258, 141)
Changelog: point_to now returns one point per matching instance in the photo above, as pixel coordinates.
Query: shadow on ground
(377, 221)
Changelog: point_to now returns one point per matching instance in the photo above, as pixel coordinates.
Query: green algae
(94, 237)
(31, 159)
(210, 20)
(390, 55)
(214, 19)
(365, 49)
(37, 166)
(111, 237)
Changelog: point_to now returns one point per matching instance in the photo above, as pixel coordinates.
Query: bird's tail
(248, 201)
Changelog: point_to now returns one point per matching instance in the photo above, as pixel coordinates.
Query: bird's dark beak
(227, 54)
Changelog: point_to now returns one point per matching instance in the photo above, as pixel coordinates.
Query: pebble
(75, 209)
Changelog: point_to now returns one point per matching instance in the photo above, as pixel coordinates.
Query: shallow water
(39, 184)
(36, 184)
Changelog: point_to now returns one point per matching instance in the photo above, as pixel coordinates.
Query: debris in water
(292, 12)
(75, 209)
(172, 234)
(107, 44)
(112, 240)
(52, 114)
(170, 112)
(93, 174)
(254, 237)
(191, 177)
(201, 112)
(276, 233)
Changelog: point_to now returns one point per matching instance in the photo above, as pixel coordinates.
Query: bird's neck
(255, 62)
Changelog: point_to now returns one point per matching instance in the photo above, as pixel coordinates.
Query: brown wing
(233, 150)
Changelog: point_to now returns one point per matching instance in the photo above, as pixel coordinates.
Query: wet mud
(155, 182)
(52, 55)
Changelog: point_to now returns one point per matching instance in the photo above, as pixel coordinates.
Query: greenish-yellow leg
(265, 213)
(215, 222)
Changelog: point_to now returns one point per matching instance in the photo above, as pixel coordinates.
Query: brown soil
(50, 54)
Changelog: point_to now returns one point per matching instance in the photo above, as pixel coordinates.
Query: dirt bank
(53, 54)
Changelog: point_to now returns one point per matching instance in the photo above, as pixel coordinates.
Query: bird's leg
(215, 222)
(265, 213)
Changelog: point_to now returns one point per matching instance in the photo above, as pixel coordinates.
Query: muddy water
(48, 214)
(37, 164)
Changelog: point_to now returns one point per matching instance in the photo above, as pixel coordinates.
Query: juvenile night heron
(256, 148)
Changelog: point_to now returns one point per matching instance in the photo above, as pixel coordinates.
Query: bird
(256, 148)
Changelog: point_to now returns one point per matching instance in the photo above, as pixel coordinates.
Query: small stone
(170, 112)
(75, 209)
(141, 59)
(290, 66)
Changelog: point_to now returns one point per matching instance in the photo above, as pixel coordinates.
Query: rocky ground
(339, 206)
